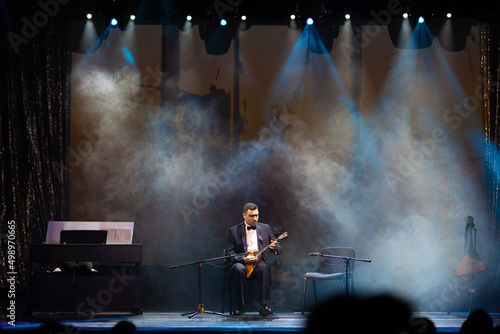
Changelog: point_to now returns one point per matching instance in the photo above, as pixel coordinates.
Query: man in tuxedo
(249, 237)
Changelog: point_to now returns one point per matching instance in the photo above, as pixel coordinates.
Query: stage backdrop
(367, 144)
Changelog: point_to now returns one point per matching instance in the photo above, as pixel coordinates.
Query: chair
(330, 269)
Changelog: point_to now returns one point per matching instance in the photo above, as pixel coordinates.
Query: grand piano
(85, 278)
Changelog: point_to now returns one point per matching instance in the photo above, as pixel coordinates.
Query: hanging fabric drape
(490, 72)
(34, 115)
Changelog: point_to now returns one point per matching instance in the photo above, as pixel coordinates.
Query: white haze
(335, 175)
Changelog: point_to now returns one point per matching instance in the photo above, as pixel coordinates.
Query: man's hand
(250, 259)
(274, 245)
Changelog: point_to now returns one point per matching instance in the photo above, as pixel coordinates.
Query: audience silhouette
(54, 327)
(478, 322)
(379, 314)
(123, 327)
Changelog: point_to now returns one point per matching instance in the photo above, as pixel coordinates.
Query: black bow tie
(252, 227)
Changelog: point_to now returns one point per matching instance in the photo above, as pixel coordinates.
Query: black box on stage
(86, 294)
(115, 286)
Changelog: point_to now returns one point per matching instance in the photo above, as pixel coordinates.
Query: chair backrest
(329, 265)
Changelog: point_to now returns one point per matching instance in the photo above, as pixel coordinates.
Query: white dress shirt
(252, 244)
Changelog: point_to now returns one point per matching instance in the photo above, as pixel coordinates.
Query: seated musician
(243, 240)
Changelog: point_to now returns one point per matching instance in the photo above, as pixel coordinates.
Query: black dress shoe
(265, 310)
(238, 313)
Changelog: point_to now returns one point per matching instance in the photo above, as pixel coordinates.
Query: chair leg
(230, 288)
(223, 294)
(304, 295)
(271, 296)
(315, 294)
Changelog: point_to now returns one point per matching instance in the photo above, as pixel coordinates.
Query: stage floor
(205, 322)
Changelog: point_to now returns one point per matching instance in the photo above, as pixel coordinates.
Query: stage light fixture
(448, 15)
(421, 19)
(223, 22)
(132, 17)
(292, 17)
(114, 22)
(189, 17)
(243, 17)
(310, 21)
(405, 15)
(89, 16)
(347, 16)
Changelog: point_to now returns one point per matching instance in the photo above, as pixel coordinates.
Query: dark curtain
(34, 115)
(490, 72)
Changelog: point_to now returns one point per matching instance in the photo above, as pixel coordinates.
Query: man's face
(251, 217)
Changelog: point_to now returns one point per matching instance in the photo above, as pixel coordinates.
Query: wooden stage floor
(205, 322)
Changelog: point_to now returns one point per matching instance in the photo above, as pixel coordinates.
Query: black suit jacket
(236, 242)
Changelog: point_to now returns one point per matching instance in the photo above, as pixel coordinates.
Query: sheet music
(118, 232)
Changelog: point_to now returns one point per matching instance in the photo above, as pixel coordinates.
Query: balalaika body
(251, 266)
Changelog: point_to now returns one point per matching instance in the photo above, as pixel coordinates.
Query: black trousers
(238, 274)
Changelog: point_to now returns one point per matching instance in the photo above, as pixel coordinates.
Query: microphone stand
(347, 261)
(201, 307)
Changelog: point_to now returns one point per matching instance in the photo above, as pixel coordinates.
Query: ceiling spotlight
(189, 18)
(310, 21)
(347, 16)
(243, 17)
(114, 22)
(223, 22)
(89, 16)
(421, 19)
(132, 17)
(448, 15)
(292, 17)
(405, 15)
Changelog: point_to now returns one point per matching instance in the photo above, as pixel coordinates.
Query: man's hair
(249, 206)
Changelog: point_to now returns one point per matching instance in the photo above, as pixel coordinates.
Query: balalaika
(251, 266)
